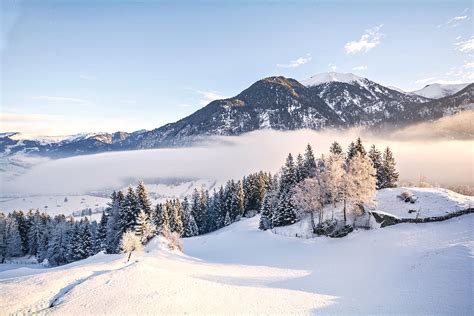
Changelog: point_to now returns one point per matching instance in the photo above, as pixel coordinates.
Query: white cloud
(369, 40)
(332, 66)
(465, 46)
(55, 99)
(468, 65)
(297, 62)
(361, 67)
(457, 20)
(209, 96)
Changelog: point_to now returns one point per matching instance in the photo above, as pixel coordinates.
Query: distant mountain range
(329, 100)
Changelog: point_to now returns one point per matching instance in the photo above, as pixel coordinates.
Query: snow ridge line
(387, 220)
(61, 295)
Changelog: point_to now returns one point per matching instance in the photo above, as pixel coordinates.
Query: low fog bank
(222, 158)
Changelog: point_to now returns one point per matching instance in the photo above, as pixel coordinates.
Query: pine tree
(34, 234)
(301, 174)
(86, 239)
(13, 238)
(268, 208)
(227, 220)
(190, 227)
(23, 227)
(129, 211)
(336, 149)
(102, 230)
(359, 148)
(376, 158)
(309, 163)
(114, 231)
(3, 238)
(177, 218)
(75, 251)
(144, 229)
(390, 174)
(197, 211)
(285, 213)
(58, 245)
(351, 152)
(144, 202)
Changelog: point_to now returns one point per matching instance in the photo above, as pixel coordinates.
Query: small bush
(174, 239)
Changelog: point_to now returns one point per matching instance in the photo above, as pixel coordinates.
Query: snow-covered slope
(404, 269)
(438, 90)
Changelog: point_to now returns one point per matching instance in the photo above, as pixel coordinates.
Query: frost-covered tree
(75, 247)
(101, 236)
(332, 178)
(143, 200)
(301, 173)
(87, 243)
(227, 220)
(308, 197)
(144, 228)
(35, 232)
(360, 184)
(176, 215)
(129, 243)
(270, 203)
(390, 174)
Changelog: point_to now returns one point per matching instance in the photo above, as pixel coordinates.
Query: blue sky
(72, 66)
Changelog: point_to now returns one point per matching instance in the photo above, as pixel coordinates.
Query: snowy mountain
(329, 100)
(438, 90)
(360, 101)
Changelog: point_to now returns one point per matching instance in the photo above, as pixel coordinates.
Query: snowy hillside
(393, 270)
(438, 90)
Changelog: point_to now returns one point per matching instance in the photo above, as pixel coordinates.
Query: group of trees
(59, 239)
(304, 184)
(309, 184)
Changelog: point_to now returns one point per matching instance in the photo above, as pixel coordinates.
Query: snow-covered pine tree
(144, 229)
(285, 213)
(376, 158)
(35, 232)
(75, 251)
(102, 230)
(177, 212)
(309, 163)
(129, 212)
(268, 208)
(23, 227)
(58, 245)
(144, 202)
(336, 149)
(196, 210)
(87, 243)
(390, 174)
(351, 152)
(227, 220)
(359, 148)
(13, 238)
(166, 216)
(3, 237)
(301, 173)
(190, 227)
(114, 232)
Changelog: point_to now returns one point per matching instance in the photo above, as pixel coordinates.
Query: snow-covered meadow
(241, 270)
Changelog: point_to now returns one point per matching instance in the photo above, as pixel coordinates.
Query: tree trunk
(129, 255)
(312, 222)
(345, 218)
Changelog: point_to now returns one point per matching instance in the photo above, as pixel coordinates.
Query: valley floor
(402, 269)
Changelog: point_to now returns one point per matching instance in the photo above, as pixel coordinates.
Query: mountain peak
(439, 90)
(332, 77)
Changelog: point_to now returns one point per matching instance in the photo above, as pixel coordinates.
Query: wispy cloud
(208, 96)
(466, 46)
(361, 67)
(56, 99)
(369, 40)
(332, 66)
(456, 20)
(297, 62)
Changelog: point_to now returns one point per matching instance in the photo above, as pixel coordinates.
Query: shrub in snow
(326, 228)
(407, 196)
(130, 242)
(174, 240)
